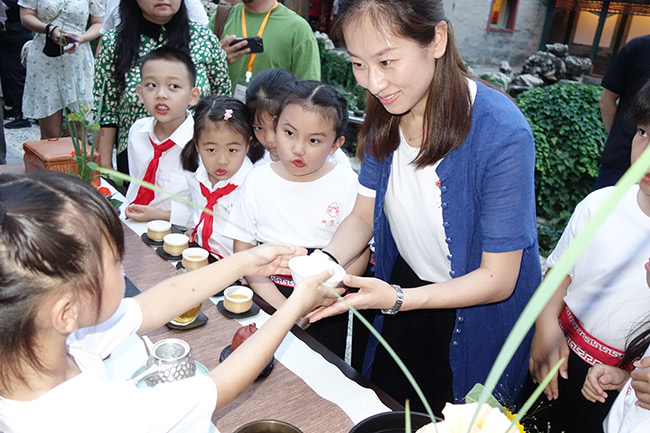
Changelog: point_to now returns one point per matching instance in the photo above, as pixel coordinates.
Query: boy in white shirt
(155, 143)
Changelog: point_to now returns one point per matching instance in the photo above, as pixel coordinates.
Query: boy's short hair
(172, 54)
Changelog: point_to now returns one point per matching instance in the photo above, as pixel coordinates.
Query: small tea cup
(195, 258)
(157, 229)
(306, 266)
(190, 315)
(175, 243)
(238, 299)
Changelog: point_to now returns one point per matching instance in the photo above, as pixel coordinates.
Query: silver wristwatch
(398, 301)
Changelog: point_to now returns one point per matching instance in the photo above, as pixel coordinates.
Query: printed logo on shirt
(333, 210)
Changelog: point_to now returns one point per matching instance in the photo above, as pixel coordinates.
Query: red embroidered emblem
(438, 183)
(333, 210)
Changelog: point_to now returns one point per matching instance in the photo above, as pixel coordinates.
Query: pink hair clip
(227, 114)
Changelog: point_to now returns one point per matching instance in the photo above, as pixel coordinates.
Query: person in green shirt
(289, 42)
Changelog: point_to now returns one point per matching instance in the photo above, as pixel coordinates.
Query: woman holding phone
(447, 191)
(62, 77)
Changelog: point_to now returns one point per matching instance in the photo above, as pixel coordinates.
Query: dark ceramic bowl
(267, 426)
(391, 422)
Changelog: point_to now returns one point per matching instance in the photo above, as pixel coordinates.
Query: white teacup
(175, 243)
(157, 229)
(307, 266)
(238, 299)
(194, 258)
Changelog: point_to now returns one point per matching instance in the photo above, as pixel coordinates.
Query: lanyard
(251, 58)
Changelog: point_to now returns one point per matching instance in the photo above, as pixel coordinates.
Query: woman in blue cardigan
(447, 191)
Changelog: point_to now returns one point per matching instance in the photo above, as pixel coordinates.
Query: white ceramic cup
(307, 266)
(194, 258)
(175, 243)
(238, 299)
(157, 229)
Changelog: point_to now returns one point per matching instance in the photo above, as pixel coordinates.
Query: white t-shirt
(624, 416)
(417, 230)
(413, 207)
(195, 12)
(339, 157)
(91, 402)
(271, 208)
(170, 175)
(608, 292)
(218, 243)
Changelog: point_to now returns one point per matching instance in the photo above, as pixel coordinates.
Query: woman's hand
(233, 52)
(373, 293)
(271, 258)
(72, 41)
(600, 378)
(548, 347)
(57, 35)
(641, 382)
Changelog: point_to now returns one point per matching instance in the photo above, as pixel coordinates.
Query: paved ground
(15, 139)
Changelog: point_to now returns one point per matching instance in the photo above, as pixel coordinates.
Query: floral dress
(123, 111)
(52, 83)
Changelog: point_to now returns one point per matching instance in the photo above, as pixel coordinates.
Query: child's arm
(138, 212)
(173, 296)
(600, 378)
(641, 382)
(241, 368)
(549, 344)
(261, 284)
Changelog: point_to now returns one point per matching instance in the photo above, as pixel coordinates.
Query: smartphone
(71, 37)
(255, 44)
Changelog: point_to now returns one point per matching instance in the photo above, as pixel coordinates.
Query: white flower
(459, 416)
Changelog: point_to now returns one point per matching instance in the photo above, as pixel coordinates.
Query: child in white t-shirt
(263, 97)
(63, 312)
(155, 143)
(302, 198)
(216, 165)
(630, 411)
(600, 304)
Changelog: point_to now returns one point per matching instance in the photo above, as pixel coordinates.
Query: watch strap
(398, 301)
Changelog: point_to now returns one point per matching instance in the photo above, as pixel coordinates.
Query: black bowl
(391, 422)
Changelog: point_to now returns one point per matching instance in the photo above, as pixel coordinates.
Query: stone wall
(477, 45)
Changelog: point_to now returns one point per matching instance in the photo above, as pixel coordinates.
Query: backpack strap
(221, 15)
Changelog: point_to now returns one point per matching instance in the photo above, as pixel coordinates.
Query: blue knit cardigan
(488, 201)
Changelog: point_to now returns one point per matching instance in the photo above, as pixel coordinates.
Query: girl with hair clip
(63, 312)
(263, 97)
(447, 190)
(146, 25)
(301, 198)
(216, 165)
